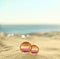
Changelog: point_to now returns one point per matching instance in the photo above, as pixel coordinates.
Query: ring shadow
(30, 56)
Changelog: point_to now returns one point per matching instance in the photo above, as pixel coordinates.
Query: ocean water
(23, 29)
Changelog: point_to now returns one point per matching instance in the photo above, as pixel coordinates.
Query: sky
(30, 12)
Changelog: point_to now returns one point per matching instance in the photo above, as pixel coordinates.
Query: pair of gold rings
(27, 47)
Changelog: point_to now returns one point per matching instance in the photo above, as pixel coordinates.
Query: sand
(48, 43)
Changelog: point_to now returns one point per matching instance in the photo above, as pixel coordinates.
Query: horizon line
(29, 24)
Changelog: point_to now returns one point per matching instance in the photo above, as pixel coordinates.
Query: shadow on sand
(30, 56)
(25, 56)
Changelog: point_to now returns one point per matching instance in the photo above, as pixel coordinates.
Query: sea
(24, 29)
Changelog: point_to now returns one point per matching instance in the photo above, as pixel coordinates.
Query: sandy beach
(48, 43)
